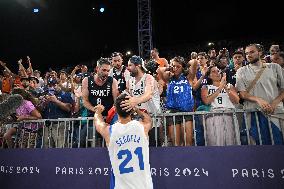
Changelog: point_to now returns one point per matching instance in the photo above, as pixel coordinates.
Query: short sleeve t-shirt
(25, 109)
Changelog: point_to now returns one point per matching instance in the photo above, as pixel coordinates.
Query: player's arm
(146, 120)
(101, 126)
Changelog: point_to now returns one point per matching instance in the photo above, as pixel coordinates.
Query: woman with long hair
(179, 79)
(220, 96)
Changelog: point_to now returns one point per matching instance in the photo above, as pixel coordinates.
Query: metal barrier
(218, 128)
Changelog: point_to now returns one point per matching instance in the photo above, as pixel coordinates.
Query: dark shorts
(178, 119)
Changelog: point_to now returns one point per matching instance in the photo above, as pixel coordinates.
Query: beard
(253, 61)
(102, 77)
(117, 66)
(134, 72)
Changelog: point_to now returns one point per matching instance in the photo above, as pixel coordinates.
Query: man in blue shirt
(58, 104)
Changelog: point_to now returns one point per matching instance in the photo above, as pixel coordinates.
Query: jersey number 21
(122, 167)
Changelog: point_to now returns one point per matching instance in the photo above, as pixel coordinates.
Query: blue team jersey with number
(179, 94)
(129, 156)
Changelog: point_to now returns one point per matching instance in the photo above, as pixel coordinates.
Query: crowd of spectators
(210, 81)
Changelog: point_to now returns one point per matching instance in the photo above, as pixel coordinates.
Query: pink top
(25, 109)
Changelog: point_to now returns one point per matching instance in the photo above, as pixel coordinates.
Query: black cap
(34, 78)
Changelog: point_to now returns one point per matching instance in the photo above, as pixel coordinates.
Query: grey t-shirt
(268, 86)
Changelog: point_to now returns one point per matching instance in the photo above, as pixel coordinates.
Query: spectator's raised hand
(2, 63)
(20, 61)
(204, 71)
(29, 60)
(78, 67)
(129, 104)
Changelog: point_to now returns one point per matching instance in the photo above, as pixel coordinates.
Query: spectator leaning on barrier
(27, 111)
(99, 88)
(143, 90)
(56, 104)
(266, 94)
(179, 97)
(220, 96)
(142, 87)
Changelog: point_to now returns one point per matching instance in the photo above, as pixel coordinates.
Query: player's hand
(99, 108)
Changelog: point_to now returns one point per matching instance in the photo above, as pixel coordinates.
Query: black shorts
(178, 119)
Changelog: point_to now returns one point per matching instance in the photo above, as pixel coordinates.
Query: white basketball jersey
(129, 155)
(138, 89)
(222, 100)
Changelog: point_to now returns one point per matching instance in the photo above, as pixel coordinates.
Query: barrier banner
(233, 167)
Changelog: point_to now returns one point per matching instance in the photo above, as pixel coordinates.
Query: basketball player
(128, 146)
